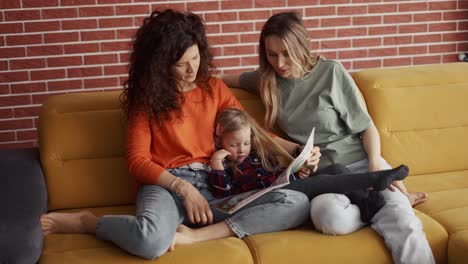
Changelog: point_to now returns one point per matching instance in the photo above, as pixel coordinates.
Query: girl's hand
(216, 162)
(313, 161)
(198, 209)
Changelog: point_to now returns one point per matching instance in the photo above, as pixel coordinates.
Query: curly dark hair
(159, 43)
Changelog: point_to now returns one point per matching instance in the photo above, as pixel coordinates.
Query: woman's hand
(311, 164)
(198, 209)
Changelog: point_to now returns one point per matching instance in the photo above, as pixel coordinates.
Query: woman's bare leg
(71, 223)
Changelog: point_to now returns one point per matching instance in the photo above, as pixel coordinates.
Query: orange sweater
(151, 150)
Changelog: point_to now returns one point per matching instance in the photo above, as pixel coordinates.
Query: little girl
(248, 159)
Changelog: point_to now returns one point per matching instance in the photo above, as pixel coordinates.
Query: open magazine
(235, 202)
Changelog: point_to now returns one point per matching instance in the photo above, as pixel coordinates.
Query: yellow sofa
(421, 113)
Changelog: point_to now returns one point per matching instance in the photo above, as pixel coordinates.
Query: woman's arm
(371, 142)
(291, 147)
(231, 80)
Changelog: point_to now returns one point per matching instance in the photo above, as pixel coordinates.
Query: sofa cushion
(364, 246)
(457, 248)
(84, 248)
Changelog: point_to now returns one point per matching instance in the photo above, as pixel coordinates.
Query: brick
(134, 9)
(216, 51)
(7, 136)
(97, 35)
(462, 46)
(447, 26)
(2, 40)
(41, 98)
(124, 57)
(365, 64)
(412, 28)
(237, 4)
(238, 27)
(10, 77)
(81, 48)
(351, 32)
(96, 11)
(351, 54)
(16, 145)
(410, 7)
(203, 6)
(10, 4)
(367, 42)
(30, 87)
(79, 24)
(249, 61)
(35, 3)
(383, 52)
(322, 33)
(115, 46)
(459, 36)
(6, 113)
(446, 5)
(116, 70)
(77, 2)
(383, 8)
(400, 18)
(213, 29)
(64, 85)
(16, 40)
(61, 37)
(105, 2)
(84, 72)
(334, 22)
(443, 48)
(101, 82)
(352, 10)
(64, 61)
(427, 60)
(269, 3)
(366, 1)
(239, 50)
(47, 74)
(367, 20)
(22, 15)
(397, 40)
(311, 22)
(223, 62)
(12, 52)
(14, 100)
(26, 135)
(4, 89)
(28, 111)
(162, 6)
(9, 28)
(427, 17)
(396, 62)
(45, 50)
(42, 26)
(3, 65)
(329, 54)
(27, 64)
(335, 44)
(448, 58)
(246, 15)
(429, 38)
(226, 39)
(334, 2)
(412, 50)
(59, 13)
(115, 22)
(228, 16)
(100, 59)
(125, 33)
(320, 11)
(383, 30)
(457, 15)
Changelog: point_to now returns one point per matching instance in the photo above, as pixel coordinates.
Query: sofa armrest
(23, 199)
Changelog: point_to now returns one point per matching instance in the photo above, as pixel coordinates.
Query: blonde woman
(300, 91)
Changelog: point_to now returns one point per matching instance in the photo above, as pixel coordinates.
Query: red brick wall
(49, 47)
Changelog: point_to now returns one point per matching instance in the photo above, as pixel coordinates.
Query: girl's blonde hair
(288, 26)
(232, 120)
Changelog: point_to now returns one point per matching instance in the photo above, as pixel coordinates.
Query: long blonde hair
(232, 120)
(288, 26)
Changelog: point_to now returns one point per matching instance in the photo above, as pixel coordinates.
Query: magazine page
(233, 203)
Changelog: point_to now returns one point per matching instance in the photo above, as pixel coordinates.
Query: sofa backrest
(82, 140)
(421, 113)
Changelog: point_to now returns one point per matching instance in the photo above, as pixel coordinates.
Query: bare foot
(417, 198)
(184, 235)
(81, 222)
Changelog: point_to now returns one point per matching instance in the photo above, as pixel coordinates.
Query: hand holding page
(233, 203)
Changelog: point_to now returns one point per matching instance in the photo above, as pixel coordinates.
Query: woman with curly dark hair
(171, 104)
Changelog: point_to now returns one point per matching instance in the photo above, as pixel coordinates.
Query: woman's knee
(333, 214)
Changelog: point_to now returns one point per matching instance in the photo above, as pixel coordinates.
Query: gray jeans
(159, 212)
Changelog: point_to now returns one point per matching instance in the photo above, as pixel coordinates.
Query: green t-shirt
(328, 99)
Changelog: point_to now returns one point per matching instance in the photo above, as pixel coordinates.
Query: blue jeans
(159, 212)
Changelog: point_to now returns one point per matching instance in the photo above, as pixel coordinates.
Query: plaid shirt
(245, 176)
